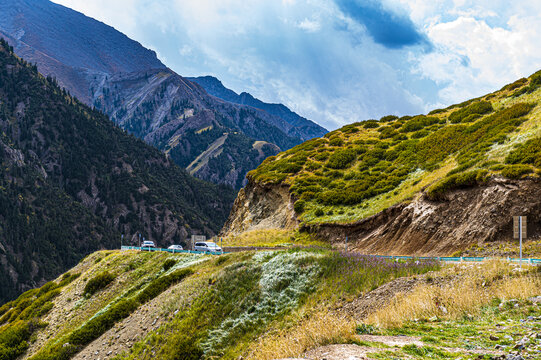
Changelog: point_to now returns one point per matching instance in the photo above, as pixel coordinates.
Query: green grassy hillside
(207, 306)
(363, 168)
(269, 305)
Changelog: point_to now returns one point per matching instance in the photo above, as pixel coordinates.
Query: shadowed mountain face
(71, 182)
(104, 68)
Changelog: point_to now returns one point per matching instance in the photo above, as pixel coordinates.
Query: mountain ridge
(118, 76)
(300, 126)
(71, 182)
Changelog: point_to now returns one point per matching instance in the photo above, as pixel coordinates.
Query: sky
(338, 61)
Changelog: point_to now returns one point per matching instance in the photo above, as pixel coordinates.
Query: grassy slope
(363, 168)
(218, 307)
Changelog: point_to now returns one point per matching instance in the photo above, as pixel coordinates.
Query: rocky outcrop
(260, 206)
(421, 227)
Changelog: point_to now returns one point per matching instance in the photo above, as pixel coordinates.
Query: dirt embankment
(422, 227)
(261, 207)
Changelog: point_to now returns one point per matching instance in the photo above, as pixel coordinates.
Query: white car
(148, 243)
(207, 246)
(175, 247)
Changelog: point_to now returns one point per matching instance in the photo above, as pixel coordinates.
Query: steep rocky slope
(294, 124)
(71, 182)
(428, 184)
(105, 69)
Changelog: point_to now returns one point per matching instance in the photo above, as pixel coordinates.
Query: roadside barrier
(170, 250)
(398, 257)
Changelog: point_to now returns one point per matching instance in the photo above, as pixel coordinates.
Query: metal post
(520, 237)
(346, 243)
(221, 247)
(139, 239)
(121, 238)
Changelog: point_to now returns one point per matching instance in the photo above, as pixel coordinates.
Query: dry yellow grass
(271, 238)
(470, 287)
(319, 328)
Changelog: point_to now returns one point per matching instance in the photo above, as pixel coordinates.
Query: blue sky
(339, 61)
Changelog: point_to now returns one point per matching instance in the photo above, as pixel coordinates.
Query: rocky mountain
(71, 182)
(105, 69)
(295, 125)
(425, 184)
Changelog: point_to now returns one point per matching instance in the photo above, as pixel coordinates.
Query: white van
(148, 244)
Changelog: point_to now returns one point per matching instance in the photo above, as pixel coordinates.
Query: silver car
(175, 247)
(207, 246)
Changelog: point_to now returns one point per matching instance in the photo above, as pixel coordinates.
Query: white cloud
(320, 63)
(309, 25)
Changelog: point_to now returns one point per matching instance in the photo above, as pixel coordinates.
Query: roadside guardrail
(173, 251)
(399, 257)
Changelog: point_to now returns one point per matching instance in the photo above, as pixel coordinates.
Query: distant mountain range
(216, 137)
(297, 126)
(71, 182)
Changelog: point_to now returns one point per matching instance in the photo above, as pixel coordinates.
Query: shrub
(93, 328)
(157, 286)
(436, 111)
(319, 212)
(299, 206)
(480, 108)
(387, 132)
(341, 159)
(168, 264)
(526, 153)
(370, 124)
(98, 283)
(336, 141)
(419, 134)
(456, 181)
(388, 118)
(418, 122)
(515, 85)
(368, 329)
(14, 338)
(516, 171)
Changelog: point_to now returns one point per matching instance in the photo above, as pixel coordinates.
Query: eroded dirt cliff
(261, 207)
(421, 227)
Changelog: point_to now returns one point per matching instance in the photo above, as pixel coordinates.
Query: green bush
(516, 171)
(515, 85)
(341, 159)
(14, 338)
(93, 328)
(299, 206)
(98, 283)
(418, 122)
(336, 141)
(319, 212)
(388, 118)
(526, 153)
(370, 124)
(168, 264)
(479, 108)
(456, 181)
(157, 286)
